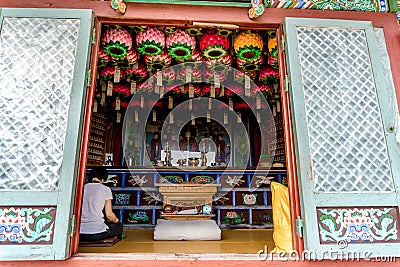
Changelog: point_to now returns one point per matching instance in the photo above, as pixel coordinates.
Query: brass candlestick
(204, 159)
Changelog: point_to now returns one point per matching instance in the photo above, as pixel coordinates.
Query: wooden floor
(240, 241)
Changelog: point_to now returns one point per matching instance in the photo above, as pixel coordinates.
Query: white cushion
(187, 230)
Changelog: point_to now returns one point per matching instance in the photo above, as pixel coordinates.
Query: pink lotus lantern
(250, 65)
(180, 45)
(130, 59)
(107, 74)
(151, 41)
(219, 64)
(121, 90)
(158, 62)
(268, 75)
(195, 74)
(117, 42)
(103, 58)
(137, 74)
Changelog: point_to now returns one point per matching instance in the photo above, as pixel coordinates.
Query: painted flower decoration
(180, 45)
(151, 41)
(213, 45)
(117, 42)
(248, 46)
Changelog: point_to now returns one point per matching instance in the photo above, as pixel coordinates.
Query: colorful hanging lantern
(196, 89)
(130, 59)
(268, 75)
(180, 45)
(261, 88)
(206, 90)
(158, 62)
(151, 41)
(219, 64)
(239, 76)
(248, 46)
(117, 42)
(213, 45)
(209, 76)
(273, 61)
(234, 90)
(250, 65)
(137, 74)
(121, 90)
(168, 75)
(107, 74)
(195, 74)
(194, 61)
(240, 105)
(146, 88)
(103, 58)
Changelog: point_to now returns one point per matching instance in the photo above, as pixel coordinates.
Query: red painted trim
(295, 210)
(85, 141)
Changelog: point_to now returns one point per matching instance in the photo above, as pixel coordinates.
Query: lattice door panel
(36, 74)
(346, 134)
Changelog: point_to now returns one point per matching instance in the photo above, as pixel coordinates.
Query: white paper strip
(225, 118)
(209, 103)
(278, 106)
(193, 120)
(159, 78)
(217, 81)
(95, 106)
(154, 115)
(117, 74)
(170, 102)
(190, 104)
(142, 101)
(212, 91)
(133, 87)
(208, 116)
(118, 117)
(109, 88)
(239, 117)
(230, 104)
(247, 86)
(258, 102)
(171, 118)
(136, 116)
(191, 91)
(117, 103)
(188, 75)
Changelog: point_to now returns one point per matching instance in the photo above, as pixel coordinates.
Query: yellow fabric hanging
(281, 218)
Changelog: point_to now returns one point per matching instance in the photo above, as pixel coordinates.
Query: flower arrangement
(158, 62)
(117, 42)
(121, 90)
(137, 74)
(268, 75)
(213, 45)
(180, 45)
(151, 41)
(248, 46)
(107, 74)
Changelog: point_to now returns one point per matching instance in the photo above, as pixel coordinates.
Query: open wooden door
(346, 153)
(43, 65)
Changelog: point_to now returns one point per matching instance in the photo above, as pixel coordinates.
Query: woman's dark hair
(98, 172)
